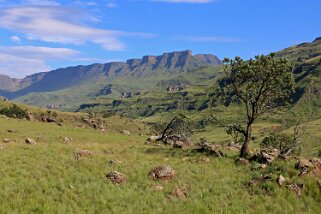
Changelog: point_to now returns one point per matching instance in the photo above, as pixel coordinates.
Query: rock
(51, 120)
(242, 161)
(125, 132)
(266, 156)
(262, 166)
(83, 153)
(30, 141)
(180, 192)
(152, 139)
(296, 188)
(210, 149)
(11, 130)
(6, 140)
(205, 160)
(116, 177)
(2, 147)
(234, 146)
(319, 184)
(280, 180)
(163, 172)
(259, 180)
(30, 117)
(67, 140)
(310, 167)
(4, 99)
(60, 124)
(158, 187)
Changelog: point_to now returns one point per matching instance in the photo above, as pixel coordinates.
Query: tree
(263, 83)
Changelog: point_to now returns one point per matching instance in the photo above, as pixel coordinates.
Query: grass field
(47, 178)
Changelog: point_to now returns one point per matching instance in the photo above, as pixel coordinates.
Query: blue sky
(41, 35)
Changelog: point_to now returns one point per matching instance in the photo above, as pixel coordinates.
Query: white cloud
(208, 39)
(42, 2)
(61, 25)
(19, 61)
(19, 67)
(186, 1)
(15, 39)
(111, 5)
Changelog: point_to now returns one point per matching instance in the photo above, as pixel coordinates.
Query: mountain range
(103, 74)
(149, 79)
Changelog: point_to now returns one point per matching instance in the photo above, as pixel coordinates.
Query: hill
(112, 79)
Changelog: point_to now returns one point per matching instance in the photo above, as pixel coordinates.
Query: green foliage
(14, 111)
(283, 142)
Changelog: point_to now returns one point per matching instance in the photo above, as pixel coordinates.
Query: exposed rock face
(162, 172)
(30, 141)
(116, 177)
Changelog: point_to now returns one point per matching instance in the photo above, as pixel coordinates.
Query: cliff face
(178, 61)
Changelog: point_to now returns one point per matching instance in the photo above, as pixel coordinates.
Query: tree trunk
(245, 147)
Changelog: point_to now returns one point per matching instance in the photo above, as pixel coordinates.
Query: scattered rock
(83, 153)
(310, 167)
(125, 132)
(158, 187)
(30, 141)
(116, 177)
(210, 149)
(280, 180)
(260, 180)
(30, 117)
(266, 156)
(162, 172)
(6, 140)
(296, 188)
(180, 192)
(242, 161)
(67, 140)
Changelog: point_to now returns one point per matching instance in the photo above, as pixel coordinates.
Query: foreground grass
(46, 178)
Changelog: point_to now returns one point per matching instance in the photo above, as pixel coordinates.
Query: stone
(210, 149)
(280, 180)
(180, 192)
(30, 141)
(6, 140)
(67, 140)
(116, 177)
(310, 167)
(30, 117)
(266, 156)
(83, 153)
(11, 130)
(242, 161)
(296, 188)
(51, 120)
(162, 172)
(125, 132)
(158, 187)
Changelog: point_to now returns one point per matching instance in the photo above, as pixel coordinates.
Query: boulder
(125, 132)
(162, 172)
(280, 180)
(296, 188)
(242, 161)
(266, 156)
(6, 140)
(310, 167)
(180, 192)
(116, 177)
(210, 149)
(30, 141)
(83, 153)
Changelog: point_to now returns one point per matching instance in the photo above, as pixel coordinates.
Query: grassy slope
(46, 178)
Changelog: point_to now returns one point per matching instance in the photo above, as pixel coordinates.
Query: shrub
(14, 111)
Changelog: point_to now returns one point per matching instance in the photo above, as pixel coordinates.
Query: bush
(14, 111)
(286, 143)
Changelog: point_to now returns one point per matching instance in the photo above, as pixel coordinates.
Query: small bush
(283, 142)
(14, 111)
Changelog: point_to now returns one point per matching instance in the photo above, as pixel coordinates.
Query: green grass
(46, 178)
